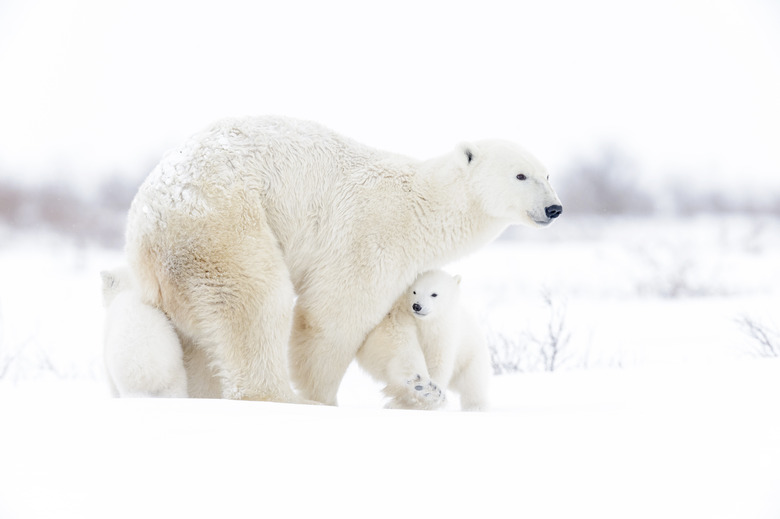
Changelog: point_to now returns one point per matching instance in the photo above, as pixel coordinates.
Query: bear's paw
(417, 393)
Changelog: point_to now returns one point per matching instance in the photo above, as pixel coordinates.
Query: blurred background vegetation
(608, 184)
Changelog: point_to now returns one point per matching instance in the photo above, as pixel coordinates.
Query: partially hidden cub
(427, 344)
(142, 351)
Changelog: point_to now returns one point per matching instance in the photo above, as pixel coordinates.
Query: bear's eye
(434, 294)
(414, 292)
(520, 176)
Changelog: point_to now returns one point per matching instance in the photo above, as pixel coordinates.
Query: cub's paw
(416, 393)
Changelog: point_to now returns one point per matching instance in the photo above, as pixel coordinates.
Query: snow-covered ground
(660, 404)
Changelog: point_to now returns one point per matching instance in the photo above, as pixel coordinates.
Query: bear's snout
(553, 211)
(416, 307)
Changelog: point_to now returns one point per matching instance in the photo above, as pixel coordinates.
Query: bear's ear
(457, 279)
(468, 152)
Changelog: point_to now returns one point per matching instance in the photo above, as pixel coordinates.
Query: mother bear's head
(511, 183)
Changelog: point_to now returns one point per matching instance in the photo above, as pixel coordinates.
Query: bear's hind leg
(202, 380)
(238, 307)
(251, 344)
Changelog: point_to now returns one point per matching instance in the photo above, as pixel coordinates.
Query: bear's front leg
(320, 355)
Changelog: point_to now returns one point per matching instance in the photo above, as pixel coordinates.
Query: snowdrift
(617, 444)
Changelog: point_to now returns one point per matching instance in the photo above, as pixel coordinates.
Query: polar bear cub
(142, 352)
(428, 343)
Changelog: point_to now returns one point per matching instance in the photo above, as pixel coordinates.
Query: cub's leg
(472, 381)
(392, 354)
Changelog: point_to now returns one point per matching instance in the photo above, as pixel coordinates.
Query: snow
(661, 408)
(568, 445)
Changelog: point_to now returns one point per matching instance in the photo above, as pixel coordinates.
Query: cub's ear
(468, 152)
(457, 279)
(109, 280)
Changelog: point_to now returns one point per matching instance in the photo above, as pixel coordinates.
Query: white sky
(686, 87)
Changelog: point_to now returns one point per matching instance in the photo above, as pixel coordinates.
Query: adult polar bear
(231, 226)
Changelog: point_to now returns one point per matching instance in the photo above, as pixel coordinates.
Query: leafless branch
(768, 341)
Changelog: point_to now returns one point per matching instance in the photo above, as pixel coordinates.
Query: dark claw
(418, 388)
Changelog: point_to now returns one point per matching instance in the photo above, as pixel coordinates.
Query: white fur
(231, 226)
(142, 352)
(429, 343)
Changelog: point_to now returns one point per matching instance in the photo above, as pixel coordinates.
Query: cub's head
(114, 282)
(510, 182)
(433, 294)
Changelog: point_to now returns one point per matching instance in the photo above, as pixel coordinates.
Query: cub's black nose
(553, 211)
(416, 307)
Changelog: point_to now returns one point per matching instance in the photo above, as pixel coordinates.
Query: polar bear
(142, 352)
(429, 343)
(229, 228)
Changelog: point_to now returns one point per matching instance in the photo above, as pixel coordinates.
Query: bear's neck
(453, 221)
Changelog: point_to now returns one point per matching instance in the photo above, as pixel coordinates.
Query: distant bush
(607, 184)
(57, 207)
(610, 183)
(686, 200)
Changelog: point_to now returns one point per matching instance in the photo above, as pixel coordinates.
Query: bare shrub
(30, 359)
(766, 342)
(671, 273)
(553, 346)
(549, 351)
(508, 355)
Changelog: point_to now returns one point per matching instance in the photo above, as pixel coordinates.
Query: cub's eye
(434, 294)
(414, 292)
(520, 176)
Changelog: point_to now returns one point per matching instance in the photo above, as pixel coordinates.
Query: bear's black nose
(416, 307)
(553, 211)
